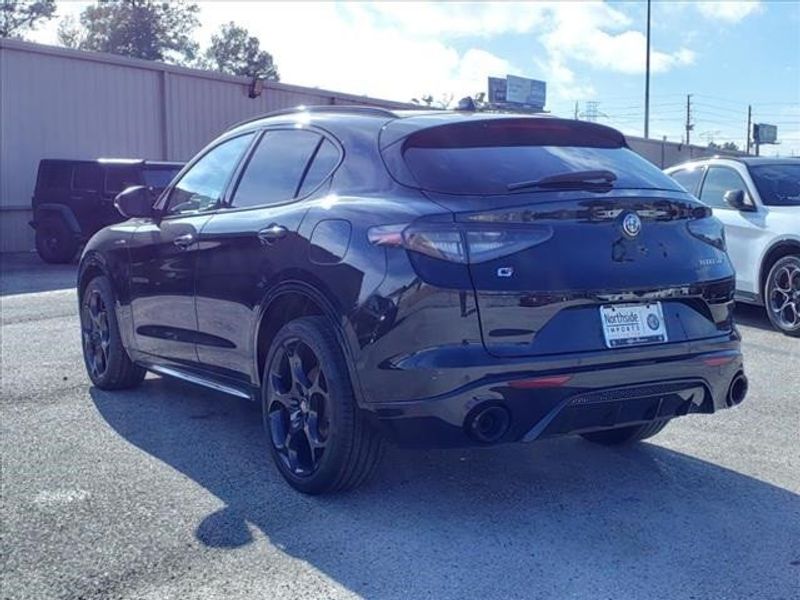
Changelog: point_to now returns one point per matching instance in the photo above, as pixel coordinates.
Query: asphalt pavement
(167, 491)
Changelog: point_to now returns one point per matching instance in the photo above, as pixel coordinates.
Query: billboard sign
(517, 91)
(764, 133)
(524, 91)
(497, 90)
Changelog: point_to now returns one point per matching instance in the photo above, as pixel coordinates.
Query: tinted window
(688, 178)
(325, 160)
(778, 185)
(55, 177)
(274, 170)
(202, 186)
(484, 157)
(159, 177)
(718, 181)
(119, 178)
(88, 177)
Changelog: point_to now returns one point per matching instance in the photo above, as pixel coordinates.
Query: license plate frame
(633, 324)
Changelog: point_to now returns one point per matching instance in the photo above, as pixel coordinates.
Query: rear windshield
(159, 177)
(471, 160)
(778, 185)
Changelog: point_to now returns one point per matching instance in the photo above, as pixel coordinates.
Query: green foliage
(18, 16)
(137, 28)
(233, 50)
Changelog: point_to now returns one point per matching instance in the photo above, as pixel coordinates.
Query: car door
(164, 250)
(742, 228)
(247, 246)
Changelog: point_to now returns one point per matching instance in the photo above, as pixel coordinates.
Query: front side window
(274, 171)
(689, 178)
(202, 186)
(718, 181)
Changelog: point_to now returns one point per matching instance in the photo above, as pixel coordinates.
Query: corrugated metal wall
(58, 103)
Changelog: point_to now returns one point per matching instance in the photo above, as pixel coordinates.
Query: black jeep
(75, 198)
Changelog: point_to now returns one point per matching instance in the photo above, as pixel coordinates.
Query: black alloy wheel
(299, 407)
(320, 440)
(96, 333)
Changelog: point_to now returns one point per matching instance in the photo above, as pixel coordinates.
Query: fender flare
(61, 210)
(335, 316)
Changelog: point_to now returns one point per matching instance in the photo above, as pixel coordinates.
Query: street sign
(513, 91)
(764, 133)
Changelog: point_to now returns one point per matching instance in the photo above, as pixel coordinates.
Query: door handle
(184, 241)
(272, 233)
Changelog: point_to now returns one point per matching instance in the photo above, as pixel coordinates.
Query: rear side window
(55, 177)
(325, 160)
(274, 171)
(120, 178)
(88, 177)
(718, 181)
(688, 179)
(484, 157)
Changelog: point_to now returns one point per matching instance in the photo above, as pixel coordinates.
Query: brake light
(470, 244)
(709, 230)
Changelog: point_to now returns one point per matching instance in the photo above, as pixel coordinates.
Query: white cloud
(730, 11)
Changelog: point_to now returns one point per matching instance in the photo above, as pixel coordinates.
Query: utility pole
(647, 80)
(689, 125)
(576, 110)
(749, 126)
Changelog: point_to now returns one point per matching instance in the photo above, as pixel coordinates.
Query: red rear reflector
(540, 382)
(718, 361)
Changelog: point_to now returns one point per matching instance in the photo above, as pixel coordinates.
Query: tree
(233, 50)
(730, 146)
(17, 16)
(137, 28)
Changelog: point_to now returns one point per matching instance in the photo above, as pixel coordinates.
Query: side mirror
(135, 201)
(739, 200)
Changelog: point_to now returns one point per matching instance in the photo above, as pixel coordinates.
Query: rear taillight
(709, 230)
(462, 244)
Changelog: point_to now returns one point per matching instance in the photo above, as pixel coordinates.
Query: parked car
(75, 198)
(436, 278)
(758, 200)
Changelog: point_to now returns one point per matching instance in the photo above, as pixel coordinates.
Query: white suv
(758, 200)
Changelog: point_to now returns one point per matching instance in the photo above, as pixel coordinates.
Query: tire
(782, 295)
(625, 435)
(107, 362)
(55, 243)
(320, 440)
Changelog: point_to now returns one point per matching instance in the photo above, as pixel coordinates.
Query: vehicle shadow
(26, 273)
(752, 316)
(558, 518)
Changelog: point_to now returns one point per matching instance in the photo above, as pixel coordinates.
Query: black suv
(435, 278)
(75, 198)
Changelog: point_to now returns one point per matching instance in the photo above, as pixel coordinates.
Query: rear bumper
(573, 399)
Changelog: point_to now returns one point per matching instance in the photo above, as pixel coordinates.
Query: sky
(728, 55)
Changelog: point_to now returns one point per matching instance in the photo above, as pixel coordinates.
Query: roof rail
(323, 108)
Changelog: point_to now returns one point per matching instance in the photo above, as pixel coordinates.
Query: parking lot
(167, 491)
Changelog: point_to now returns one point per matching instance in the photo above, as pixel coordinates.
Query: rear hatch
(572, 242)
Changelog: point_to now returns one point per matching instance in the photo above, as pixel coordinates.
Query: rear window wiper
(573, 179)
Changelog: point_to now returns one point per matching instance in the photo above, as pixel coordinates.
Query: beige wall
(58, 103)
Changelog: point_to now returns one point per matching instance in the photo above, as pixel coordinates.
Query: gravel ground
(167, 492)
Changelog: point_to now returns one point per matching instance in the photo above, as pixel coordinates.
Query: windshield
(496, 157)
(778, 185)
(159, 178)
